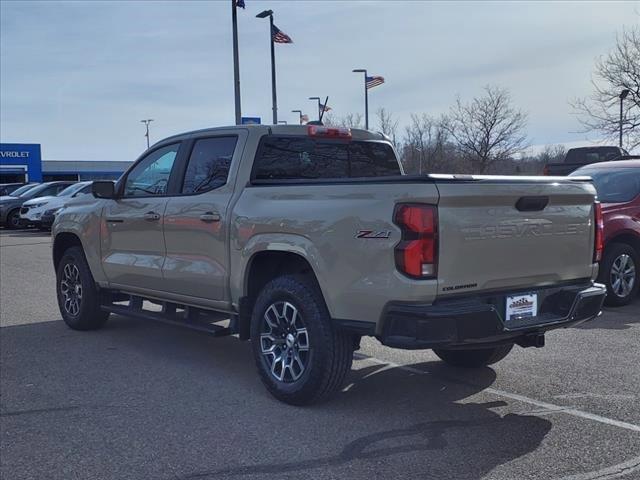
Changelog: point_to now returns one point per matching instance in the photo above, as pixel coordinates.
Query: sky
(79, 76)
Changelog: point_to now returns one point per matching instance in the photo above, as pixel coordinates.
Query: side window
(49, 191)
(209, 163)
(84, 190)
(151, 175)
(61, 187)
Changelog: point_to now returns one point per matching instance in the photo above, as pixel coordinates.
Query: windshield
(616, 185)
(19, 191)
(71, 189)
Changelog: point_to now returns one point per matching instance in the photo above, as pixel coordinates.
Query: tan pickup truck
(305, 238)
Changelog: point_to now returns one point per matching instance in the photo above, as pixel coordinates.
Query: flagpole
(366, 97)
(366, 103)
(274, 98)
(236, 61)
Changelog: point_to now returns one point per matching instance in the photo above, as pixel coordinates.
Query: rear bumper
(476, 321)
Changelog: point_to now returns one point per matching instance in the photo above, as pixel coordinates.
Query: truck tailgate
(509, 233)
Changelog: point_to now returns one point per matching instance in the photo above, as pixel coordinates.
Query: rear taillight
(599, 233)
(417, 252)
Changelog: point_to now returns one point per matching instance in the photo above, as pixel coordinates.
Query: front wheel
(13, 219)
(473, 358)
(78, 298)
(620, 272)
(301, 357)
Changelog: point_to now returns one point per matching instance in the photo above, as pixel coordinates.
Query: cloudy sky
(77, 77)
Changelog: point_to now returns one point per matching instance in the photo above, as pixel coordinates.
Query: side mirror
(103, 189)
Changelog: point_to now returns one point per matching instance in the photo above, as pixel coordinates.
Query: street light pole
(274, 99)
(622, 96)
(146, 123)
(318, 99)
(299, 112)
(366, 97)
(236, 61)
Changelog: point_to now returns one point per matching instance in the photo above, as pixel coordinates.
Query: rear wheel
(13, 219)
(301, 357)
(77, 292)
(474, 358)
(620, 272)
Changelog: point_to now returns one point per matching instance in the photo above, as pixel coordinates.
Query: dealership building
(22, 162)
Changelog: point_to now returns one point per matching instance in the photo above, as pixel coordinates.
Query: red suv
(618, 186)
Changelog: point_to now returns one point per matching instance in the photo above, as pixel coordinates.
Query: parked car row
(36, 204)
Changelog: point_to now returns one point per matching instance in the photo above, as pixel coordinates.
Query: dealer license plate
(521, 306)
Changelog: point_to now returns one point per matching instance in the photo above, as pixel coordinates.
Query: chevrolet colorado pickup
(303, 239)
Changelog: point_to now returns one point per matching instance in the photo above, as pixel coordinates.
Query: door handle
(210, 217)
(152, 216)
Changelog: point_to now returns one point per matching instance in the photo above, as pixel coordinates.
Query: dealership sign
(21, 159)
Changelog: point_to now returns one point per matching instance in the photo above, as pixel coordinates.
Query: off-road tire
(613, 252)
(330, 350)
(89, 316)
(477, 358)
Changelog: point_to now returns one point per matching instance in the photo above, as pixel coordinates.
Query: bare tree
(488, 129)
(350, 120)
(552, 154)
(617, 71)
(426, 147)
(387, 124)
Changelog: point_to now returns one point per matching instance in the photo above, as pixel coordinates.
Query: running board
(189, 317)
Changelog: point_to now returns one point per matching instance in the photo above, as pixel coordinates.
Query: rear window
(616, 185)
(592, 155)
(289, 158)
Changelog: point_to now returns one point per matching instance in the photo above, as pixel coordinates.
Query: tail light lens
(329, 132)
(417, 252)
(599, 233)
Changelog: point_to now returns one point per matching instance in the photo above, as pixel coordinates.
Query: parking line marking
(549, 407)
(568, 410)
(609, 473)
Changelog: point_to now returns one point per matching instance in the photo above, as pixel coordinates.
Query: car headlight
(52, 211)
(36, 205)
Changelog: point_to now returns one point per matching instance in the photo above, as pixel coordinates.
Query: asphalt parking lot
(140, 400)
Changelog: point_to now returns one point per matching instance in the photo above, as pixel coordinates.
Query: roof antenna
(320, 114)
(324, 109)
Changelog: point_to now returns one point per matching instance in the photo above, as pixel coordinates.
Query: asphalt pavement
(140, 400)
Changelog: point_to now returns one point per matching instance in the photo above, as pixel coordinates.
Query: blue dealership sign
(18, 158)
(251, 121)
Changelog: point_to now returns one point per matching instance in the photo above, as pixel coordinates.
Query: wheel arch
(262, 267)
(61, 243)
(627, 237)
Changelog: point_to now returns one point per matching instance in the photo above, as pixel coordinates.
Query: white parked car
(32, 211)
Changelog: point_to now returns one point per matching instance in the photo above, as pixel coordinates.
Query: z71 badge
(373, 234)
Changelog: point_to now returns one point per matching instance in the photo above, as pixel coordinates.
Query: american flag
(279, 36)
(323, 108)
(374, 81)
